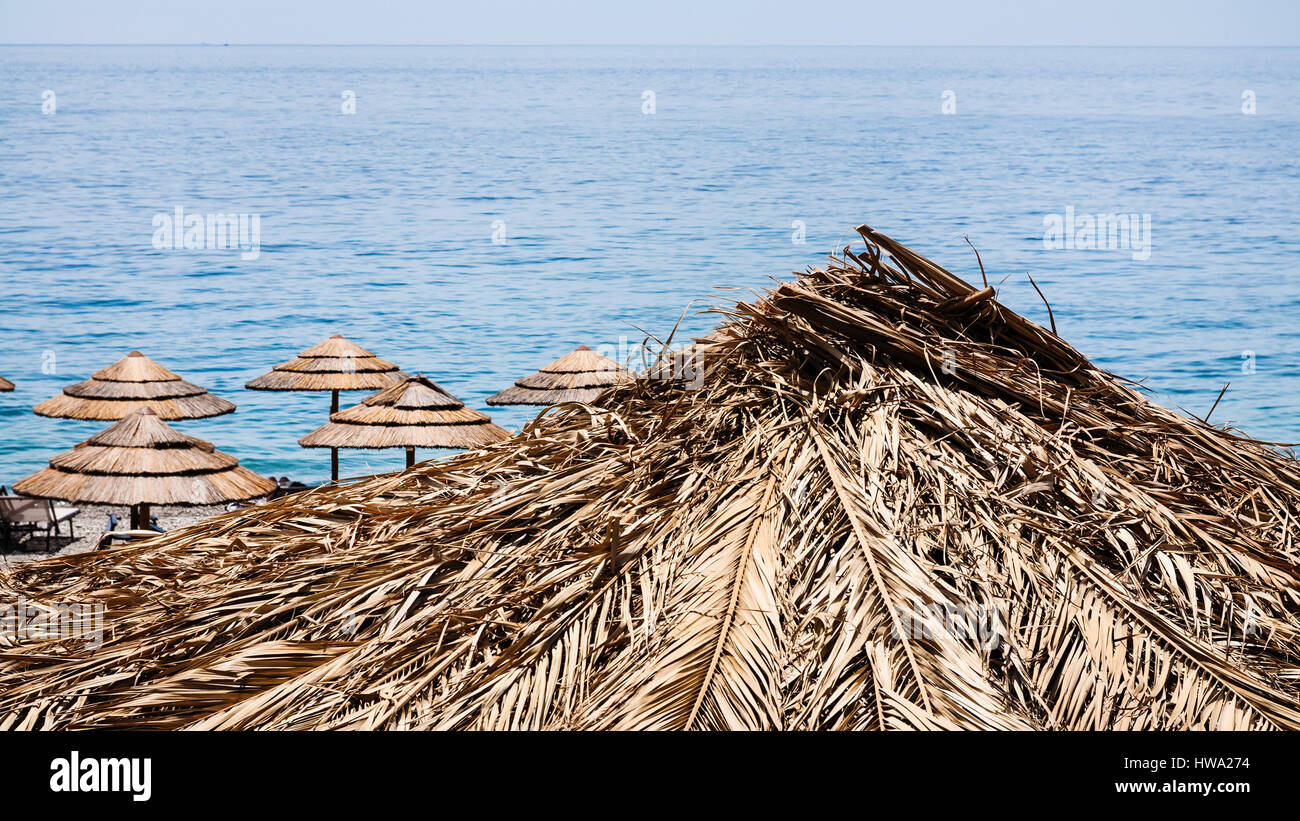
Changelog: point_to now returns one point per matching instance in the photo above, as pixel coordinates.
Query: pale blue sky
(684, 22)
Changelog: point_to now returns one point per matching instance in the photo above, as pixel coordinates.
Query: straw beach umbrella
(412, 414)
(5, 385)
(135, 381)
(142, 461)
(578, 376)
(334, 365)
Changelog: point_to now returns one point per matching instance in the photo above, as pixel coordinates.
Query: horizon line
(203, 44)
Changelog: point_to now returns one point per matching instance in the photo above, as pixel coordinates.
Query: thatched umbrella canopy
(832, 531)
(333, 365)
(578, 376)
(142, 461)
(5, 385)
(411, 414)
(133, 382)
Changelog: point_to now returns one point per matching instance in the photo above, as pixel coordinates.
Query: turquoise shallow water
(379, 224)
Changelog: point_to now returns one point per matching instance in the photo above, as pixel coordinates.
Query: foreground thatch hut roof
(5, 385)
(133, 382)
(578, 376)
(891, 502)
(333, 365)
(412, 414)
(143, 460)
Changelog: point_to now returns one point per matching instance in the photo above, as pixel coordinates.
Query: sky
(658, 22)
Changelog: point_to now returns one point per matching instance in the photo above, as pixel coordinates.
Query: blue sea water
(379, 224)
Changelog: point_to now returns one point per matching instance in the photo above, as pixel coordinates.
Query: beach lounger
(153, 524)
(111, 536)
(19, 514)
(283, 487)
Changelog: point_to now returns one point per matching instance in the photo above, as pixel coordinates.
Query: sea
(472, 213)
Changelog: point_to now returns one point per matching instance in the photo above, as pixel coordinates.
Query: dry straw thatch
(5, 385)
(142, 460)
(415, 413)
(891, 503)
(133, 382)
(333, 365)
(578, 376)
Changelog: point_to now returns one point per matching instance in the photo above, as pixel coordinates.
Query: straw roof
(578, 376)
(142, 460)
(334, 365)
(833, 530)
(5, 384)
(133, 382)
(414, 413)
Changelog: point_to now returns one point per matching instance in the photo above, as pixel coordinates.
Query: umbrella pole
(143, 516)
(334, 452)
(410, 457)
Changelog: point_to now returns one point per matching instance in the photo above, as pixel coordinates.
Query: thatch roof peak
(5, 384)
(413, 413)
(578, 376)
(336, 346)
(415, 393)
(135, 367)
(889, 502)
(135, 381)
(583, 360)
(143, 429)
(335, 364)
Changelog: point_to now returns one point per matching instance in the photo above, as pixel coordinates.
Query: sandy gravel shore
(90, 524)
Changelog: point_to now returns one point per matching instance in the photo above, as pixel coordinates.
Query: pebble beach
(89, 526)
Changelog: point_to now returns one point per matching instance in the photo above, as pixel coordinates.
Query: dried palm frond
(133, 382)
(578, 376)
(888, 502)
